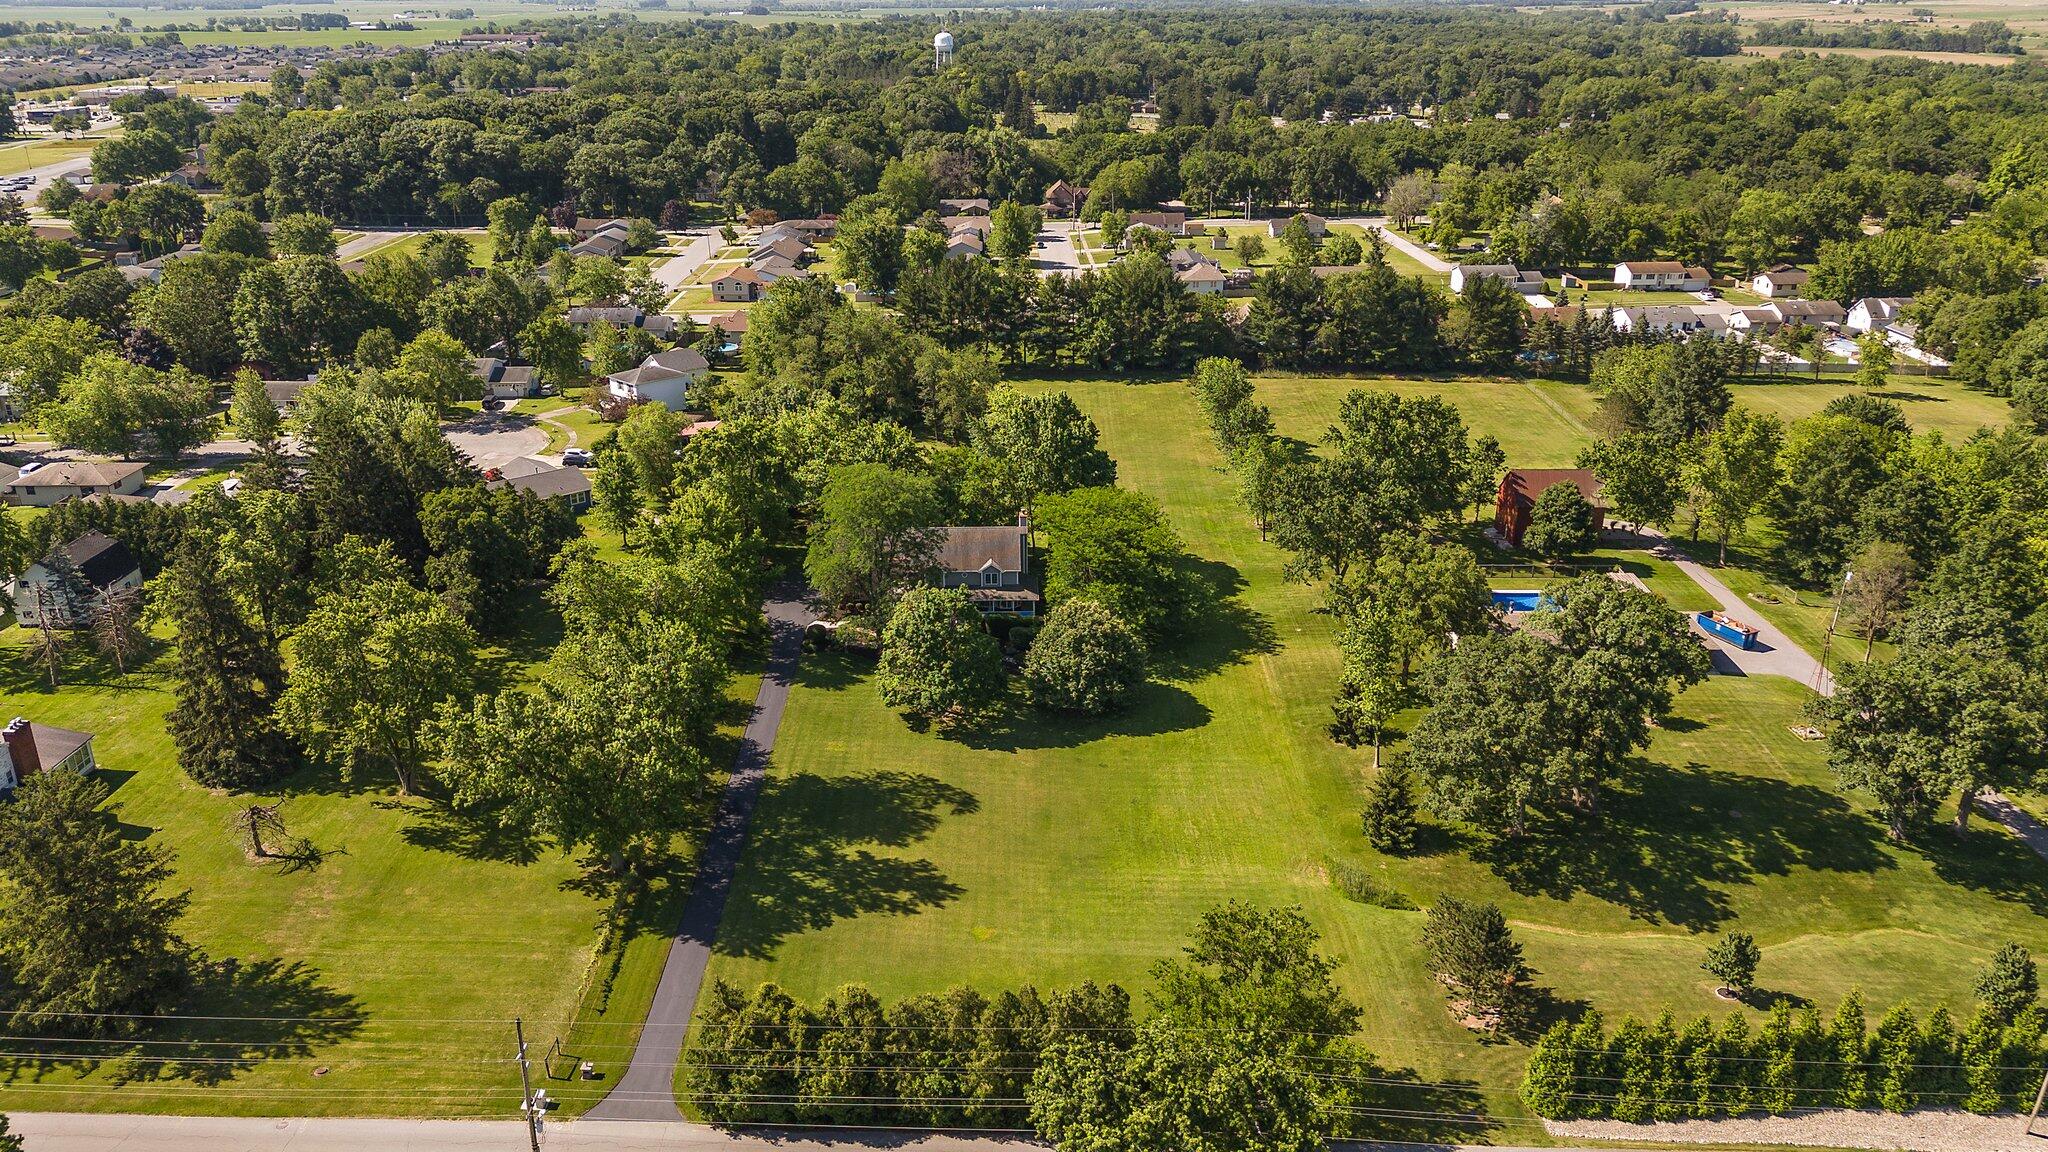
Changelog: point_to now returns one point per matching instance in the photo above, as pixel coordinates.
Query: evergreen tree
(229, 677)
(1673, 1095)
(1634, 1060)
(1389, 817)
(1735, 1069)
(1896, 1046)
(1550, 1081)
(1778, 1076)
(2009, 984)
(87, 933)
(1847, 1036)
(1471, 950)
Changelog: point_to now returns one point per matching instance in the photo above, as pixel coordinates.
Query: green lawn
(417, 936)
(481, 247)
(1051, 852)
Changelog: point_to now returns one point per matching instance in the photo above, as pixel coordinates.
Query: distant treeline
(1981, 36)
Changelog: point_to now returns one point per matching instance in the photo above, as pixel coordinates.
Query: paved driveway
(492, 440)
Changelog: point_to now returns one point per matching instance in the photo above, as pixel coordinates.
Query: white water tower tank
(942, 48)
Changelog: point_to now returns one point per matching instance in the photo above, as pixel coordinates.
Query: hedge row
(957, 1060)
(1794, 1062)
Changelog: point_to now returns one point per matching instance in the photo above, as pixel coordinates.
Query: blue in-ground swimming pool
(1518, 601)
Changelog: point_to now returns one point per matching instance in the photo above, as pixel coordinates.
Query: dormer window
(991, 576)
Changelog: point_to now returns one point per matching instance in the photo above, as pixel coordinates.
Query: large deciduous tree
(370, 667)
(1084, 661)
(938, 661)
(875, 535)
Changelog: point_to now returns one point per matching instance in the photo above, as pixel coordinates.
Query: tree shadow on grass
(1405, 1108)
(1155, 709)
(1669, 842)
(810, 861)
(1221, 629)
(1987, 861)
(472, 833)
(236, 1016)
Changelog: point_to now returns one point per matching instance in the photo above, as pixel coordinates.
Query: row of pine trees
(956, 1060)
(1794, 1061)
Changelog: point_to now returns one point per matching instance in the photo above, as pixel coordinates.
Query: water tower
(942, 49)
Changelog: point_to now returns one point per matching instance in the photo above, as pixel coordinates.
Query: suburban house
(1784, 280)
(609, 242)
(28, 749)
(67, 581)
(993, 565)
(586, 226)
(285, 393)
(1521, 487)
(732, 326)
(505, 380)
(1528, 283)
(741, 285)
(542, 480)
(40, 485)
(786, 246)
(1063, 200)
(1660, 276)
(621, 316)
(1316, 225)
(1743, 321)
(814, 229)
(1875, 312)
(977, 226)
(1670, 319)
(1171, 223)
(1819, 313)
(663, 378)
(776, 268)
(964, 245)
(1203, 279)
(975, 206)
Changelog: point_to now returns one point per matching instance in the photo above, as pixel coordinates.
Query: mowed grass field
(415, 940)
(1051, 852)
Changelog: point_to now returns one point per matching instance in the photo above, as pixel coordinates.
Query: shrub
(1084, 661)
(1732, 960)
(1357, 884)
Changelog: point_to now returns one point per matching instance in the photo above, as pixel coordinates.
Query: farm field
(1773, 51)
(1051, 853)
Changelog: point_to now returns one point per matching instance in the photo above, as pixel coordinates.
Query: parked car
(576, 458)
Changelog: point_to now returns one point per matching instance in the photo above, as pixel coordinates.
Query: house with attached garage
(1528, 283)
(1819, 313)
(507, 380)
(609, 241)
(1171, 223)
(1660, 276)
(1781, 281)
(40, 485)
(1063, 200)
(621, 316)
(61, 588)
(1316, 225)
(663, 378)
(569, 487)
(1668, 320)
(1873, 313)
(28, 749)
(741, 286)
(1522, 487)
(1203, 279)
(789, 248)
(992, 564)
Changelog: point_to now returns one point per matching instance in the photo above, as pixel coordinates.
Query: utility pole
(526, 1104)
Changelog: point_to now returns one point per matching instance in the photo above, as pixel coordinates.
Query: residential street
(676, 271)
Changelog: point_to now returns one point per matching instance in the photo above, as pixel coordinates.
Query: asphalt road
(646, 1092)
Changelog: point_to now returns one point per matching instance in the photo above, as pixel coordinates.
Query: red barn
(1520, 488)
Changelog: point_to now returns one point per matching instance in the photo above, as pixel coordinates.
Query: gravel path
(1933, 1130)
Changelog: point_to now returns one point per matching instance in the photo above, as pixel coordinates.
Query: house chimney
(20, 738)
(1024, 520)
